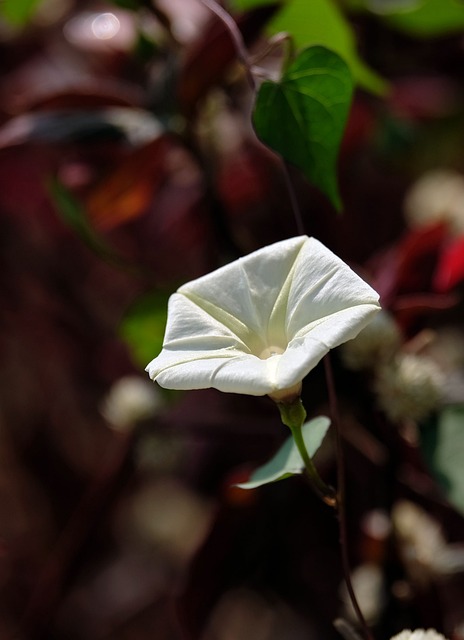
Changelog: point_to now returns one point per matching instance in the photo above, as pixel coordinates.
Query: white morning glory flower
(260, 324)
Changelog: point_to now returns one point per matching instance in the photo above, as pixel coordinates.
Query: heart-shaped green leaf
(287, 461)
(303, 116)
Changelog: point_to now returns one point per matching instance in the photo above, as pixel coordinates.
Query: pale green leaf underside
(443, 446)
(287, 461)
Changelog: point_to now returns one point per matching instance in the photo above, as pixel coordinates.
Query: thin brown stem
(293, 199)
(234, 31)
(242, 55)
(341, 501)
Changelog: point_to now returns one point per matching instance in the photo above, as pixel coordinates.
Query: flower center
(270, 351)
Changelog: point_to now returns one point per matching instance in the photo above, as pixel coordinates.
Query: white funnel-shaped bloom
(260, 324)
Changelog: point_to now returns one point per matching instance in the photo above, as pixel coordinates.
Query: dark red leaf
(450, 268)
(410, 310)
(128, 190)
(424, 98)
(409, 266)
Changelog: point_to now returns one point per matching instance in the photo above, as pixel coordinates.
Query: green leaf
(287, 461)
(133, 5)
(443, 449)
(246, 5)
(431, 18)
(143, 327)
(303, 116)
(320, 22)
(72, 214)
(18, 12)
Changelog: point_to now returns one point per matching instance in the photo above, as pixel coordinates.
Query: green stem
(293, 416)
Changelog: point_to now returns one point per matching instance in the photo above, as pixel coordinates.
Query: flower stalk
(341, 498)
(293, 416)
(236, 36)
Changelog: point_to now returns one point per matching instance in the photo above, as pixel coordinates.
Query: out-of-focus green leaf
(430, 18)
(443, 448)
(73, 215)
(145, 47)
(18, 12)
(246, 5)
(143, 327)
(419, 18)
(320, 22)
(381, 7)
(128, 4)
(287, 461)
(303, 116)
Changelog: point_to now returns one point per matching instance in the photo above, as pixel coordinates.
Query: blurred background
(129, 165)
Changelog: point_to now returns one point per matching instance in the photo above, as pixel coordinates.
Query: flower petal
(292, 301)
(249, 288)
(190, 326)
(201, 352)
(324, 285)
(220, 370)
(305, 351)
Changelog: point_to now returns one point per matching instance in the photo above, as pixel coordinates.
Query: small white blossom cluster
(369, 585)
(409, 387)
(447, 350)
(411, 383)
(411, 380)
(420, 541)
(425, 552)
(419, 634)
